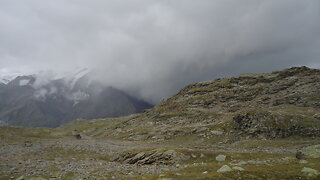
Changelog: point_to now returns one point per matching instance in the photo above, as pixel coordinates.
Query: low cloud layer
(153, 48)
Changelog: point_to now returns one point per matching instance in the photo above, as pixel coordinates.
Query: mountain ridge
(32, 101)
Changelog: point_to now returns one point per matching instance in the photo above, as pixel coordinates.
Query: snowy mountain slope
(50, 100)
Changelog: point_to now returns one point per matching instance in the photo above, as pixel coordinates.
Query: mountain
(5, 79)
(270, 105)
(39, 102)
(253, 126)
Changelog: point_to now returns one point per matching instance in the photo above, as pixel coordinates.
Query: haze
(153, 48)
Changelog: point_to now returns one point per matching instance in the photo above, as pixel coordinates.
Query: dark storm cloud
(154, 47)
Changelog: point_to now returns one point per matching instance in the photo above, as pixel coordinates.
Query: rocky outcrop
(274, 125)
(157, 156)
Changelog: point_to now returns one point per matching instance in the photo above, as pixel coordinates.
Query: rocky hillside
(265, 106)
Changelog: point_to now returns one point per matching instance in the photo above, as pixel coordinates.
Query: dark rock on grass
(76, 134)
(300, 155)
(28, 144)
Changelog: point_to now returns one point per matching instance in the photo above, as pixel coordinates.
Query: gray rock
(286, 159)
(139, 156)
(221, 158)
(237, 168)
(303, 162)
(224, 168)
(311, 151)
(170, 153)
(317, 116)
(310, 172)
(242, 163)
(159, 156)
(216, 133)
(257, 162)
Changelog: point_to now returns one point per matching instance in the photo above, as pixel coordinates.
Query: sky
(152, 48)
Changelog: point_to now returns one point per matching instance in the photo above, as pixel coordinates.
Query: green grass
(16, 134)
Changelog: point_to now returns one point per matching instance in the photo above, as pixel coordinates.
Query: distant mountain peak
(44, 100)
(22, 81)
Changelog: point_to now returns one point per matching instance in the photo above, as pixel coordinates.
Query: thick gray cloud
(155, 47)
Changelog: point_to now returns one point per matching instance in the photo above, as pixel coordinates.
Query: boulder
(237, 168)
(224, 168)
(310, 151)
(242, 163)
(310, 172)
(221, 158)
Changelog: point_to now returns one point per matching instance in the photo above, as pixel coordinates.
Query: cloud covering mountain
(34, 101)
(155, 47)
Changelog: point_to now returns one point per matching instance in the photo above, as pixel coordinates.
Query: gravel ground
(58, 159)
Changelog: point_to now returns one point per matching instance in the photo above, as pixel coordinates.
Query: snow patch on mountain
(24, 82)
(78, 96)
(5, 79)
(76, 76)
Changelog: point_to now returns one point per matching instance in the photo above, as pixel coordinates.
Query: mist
(153, 48)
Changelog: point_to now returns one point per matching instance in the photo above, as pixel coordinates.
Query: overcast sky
(155, 47)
